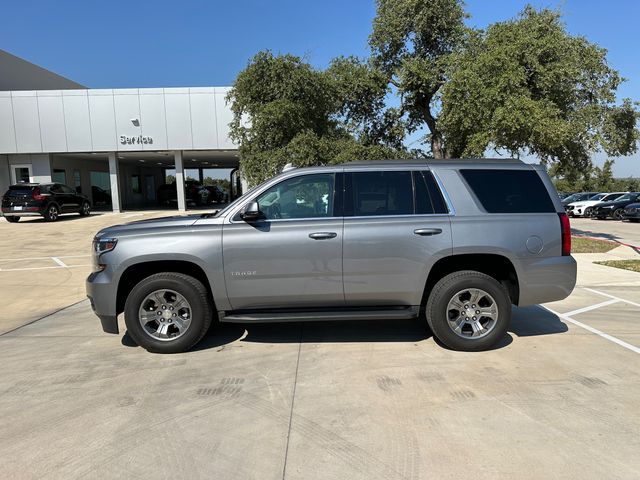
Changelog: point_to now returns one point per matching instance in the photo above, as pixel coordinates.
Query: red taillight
(566, 234)
(37, 195)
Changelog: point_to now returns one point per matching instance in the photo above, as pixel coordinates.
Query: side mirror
(251, 212)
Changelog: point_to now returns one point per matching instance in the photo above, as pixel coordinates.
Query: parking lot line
(592, 307)
(600, 333)
(42, 268)
(40, 258)
(59, 262)
(612, 296)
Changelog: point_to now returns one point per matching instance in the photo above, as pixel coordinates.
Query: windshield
(625, 198)
(598, 196)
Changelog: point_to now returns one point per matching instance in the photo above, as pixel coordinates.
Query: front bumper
(635, 213)
(102, 294)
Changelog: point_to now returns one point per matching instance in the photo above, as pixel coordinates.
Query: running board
(403, 313)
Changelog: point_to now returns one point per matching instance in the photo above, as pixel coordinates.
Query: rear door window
(509, 191)
(428, 198)
(381, 193)
(390, 193)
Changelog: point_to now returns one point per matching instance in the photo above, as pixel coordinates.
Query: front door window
(308, 196)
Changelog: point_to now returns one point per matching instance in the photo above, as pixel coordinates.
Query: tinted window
(428, 197)
(509, 191)
(55, 188)
(307, 196)
(66, 189)
(381, 193)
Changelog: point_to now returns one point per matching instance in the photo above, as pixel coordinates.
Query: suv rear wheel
(52, 213)
(168, 312)
(468, 311)
(85, 209)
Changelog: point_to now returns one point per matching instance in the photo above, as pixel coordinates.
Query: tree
(526, 85)
(285, 111)
(413, 43)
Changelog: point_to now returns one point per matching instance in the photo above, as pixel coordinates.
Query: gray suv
(453, 242)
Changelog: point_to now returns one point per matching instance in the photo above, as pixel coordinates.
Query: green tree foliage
(522, 86)
(285, 111)
(413, 42)
(527, 85)
(592, 179)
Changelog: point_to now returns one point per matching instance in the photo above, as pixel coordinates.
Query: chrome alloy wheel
(472, 313)
(86, 209)
(53, 212)
(165, 315)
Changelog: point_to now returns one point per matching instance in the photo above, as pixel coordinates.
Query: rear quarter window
(509, 191)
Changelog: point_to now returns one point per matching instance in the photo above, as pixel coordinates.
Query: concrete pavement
(558, 398)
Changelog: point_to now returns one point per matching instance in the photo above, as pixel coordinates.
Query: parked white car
(583, 209)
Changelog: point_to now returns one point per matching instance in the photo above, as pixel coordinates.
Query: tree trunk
(437, 142)
(437, 147)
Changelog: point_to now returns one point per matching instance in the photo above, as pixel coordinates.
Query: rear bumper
(10, 212)
(545, 280)
(102, 295)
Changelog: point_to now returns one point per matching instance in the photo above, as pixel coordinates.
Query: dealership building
(122, 142)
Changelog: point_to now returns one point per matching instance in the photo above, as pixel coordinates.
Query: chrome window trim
(293, 173)
(445, 195)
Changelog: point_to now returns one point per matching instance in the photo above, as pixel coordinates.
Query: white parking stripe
(59, 262)
(606, 336)
(612, 296)
(592, 307)
(40, 258)
(40, 268)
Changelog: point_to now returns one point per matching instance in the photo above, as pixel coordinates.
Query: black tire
(633, 220)
(587, 212)
(13, 219)
(85, 209)
(446, 289)
(52, 213)
(618, 214)
(191, 289)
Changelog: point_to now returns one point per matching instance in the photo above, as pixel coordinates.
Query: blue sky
(196, 43)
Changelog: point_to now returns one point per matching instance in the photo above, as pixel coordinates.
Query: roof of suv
(423, 161)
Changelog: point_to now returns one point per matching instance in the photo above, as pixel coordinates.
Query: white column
(182, 202)
(114, 178)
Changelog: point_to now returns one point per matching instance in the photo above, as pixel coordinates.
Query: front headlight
(102, 245)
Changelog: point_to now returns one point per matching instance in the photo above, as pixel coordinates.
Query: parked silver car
(454, 242)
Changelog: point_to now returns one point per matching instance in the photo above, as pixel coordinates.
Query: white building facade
(120, 140)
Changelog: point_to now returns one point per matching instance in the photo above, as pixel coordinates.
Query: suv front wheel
(468, 311)
(168, 312)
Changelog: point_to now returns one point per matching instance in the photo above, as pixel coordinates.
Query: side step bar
(403, 313)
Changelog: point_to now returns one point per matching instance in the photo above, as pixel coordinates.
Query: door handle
(427, 232)
(323, 235)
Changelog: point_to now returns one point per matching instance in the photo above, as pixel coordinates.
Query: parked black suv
(48, 200)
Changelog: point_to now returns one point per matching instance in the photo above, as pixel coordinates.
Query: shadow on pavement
(526, 322)
(534, 321)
